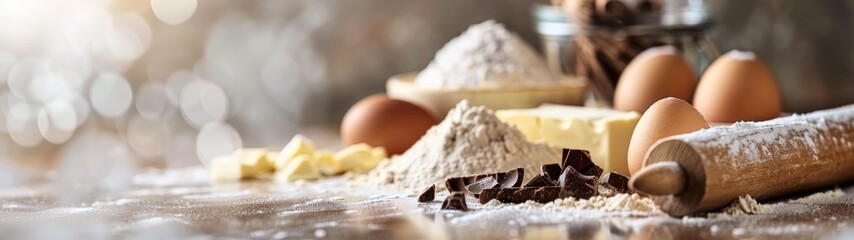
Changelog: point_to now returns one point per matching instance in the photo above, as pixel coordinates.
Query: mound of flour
(487, 55)
(471, 140)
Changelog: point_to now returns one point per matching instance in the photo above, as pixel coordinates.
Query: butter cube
(227, 168)
(271, 158)
(603, 132)
(524, 120)
(298, 145)
(377, 155)
(300, 167)
(379, 152)
(354, 156)
(325, 162)
(254, 157)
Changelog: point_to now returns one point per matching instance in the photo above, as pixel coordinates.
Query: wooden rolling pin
(708, 169)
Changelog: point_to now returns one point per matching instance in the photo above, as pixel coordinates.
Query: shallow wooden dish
(567, 92)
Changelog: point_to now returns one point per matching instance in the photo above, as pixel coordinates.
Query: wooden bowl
(439, 101)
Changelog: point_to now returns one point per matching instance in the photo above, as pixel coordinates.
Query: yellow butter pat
(299, 145)
(353, 157)
(603, 132)
(300, 167)
(271, 158)
(379, 152)
(254, 157)
(325, 162)
(377, 155)
(226, 168)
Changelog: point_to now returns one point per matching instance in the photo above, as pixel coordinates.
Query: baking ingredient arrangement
(671, 144)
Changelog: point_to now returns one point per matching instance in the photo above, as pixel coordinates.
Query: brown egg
(654, 74)
(380, 121)
(667, 117)
(738, 86)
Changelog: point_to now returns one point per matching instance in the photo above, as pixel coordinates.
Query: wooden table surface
(183, 204)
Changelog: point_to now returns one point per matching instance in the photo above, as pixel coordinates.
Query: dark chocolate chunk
(551, 171)
(520, 195)
(428, 195)
(478, 186)
(615, 182)
(577, 185)
(540, 181)
(581, 161)
(455, 184)
(455, 201)
(513, 178)
(577, 158)
(510, 179)
(595, 171)
(470, 179)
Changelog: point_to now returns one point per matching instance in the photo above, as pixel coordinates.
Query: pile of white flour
(487, 55)
(471, 140)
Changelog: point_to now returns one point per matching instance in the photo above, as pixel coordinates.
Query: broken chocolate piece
(513, 178)
(581, 161)
(456, 201)
(615, 182)
(551, 171)
(428, 195)
(521, 195)
(470, 179)
(455, 184)
(595, 171)
(577, 185)
(478, 186)
(540, 181)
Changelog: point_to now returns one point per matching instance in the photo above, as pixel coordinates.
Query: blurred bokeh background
(99, 89)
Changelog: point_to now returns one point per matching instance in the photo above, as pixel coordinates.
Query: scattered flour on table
(744, 205)
(486, 55)
(619, 202)
(470, 140)
(820, 197)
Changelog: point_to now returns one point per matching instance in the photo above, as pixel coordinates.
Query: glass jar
(598, 53)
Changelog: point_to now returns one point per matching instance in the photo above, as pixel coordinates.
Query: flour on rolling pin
(762, 159)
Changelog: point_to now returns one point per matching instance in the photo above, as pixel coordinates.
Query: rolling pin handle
(658, 179)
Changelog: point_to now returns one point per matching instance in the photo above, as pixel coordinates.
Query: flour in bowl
(487, 55)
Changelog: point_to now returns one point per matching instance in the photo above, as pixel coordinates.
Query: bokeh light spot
(173, 12)
(111, 95)
(217, 139)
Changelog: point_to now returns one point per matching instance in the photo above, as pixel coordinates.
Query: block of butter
(298, 145)
(603, 132)
(354, 156)
(300, 167)
(255, 157)
(228, 168)
(324, 160)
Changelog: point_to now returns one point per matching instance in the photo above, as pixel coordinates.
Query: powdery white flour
(486, 55)
(744, 205)
(619, 202)
(470, 140)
